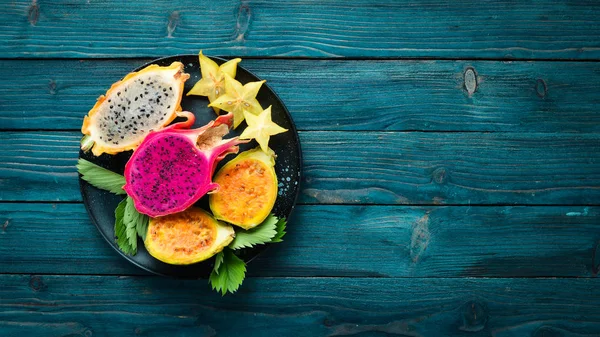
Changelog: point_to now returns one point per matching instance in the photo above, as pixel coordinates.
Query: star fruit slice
(212, 83)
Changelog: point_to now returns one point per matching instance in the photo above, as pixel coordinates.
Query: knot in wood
(440, 176)
(540, 88)
(33, 13)
(419, 239)
(242, 21)
(474, 316)
(37, 283)
(52, 87)
(470, 80)
(172, 23)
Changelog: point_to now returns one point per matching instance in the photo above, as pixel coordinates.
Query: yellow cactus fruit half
(247, 189)
(187, 237)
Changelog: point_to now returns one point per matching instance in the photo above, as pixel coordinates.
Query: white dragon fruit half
(141, 102)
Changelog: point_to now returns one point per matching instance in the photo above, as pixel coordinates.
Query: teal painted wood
(343, 95)
(348, 241)
(383, 28)
(367, 168)
(149, 306)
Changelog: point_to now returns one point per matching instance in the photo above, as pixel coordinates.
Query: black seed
(142, 82)
(135, 99)
(147, 115)
(109, 100)
(118, 93)
(170, 88)
(111, 106)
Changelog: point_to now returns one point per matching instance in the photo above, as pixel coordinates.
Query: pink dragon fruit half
(173, 168)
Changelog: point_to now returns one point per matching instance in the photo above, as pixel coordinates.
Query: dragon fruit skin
(173, 168)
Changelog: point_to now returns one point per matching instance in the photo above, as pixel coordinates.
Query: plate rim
(299, 161)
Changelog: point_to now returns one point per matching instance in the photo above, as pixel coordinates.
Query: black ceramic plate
(101, 205)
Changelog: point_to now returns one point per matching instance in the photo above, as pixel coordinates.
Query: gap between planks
(477, 278)
(293, 58)
(67, 202)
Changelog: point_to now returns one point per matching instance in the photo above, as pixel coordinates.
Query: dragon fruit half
(141, 102)
(173, 168)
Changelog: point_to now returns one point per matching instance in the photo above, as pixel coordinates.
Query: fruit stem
(86, 143)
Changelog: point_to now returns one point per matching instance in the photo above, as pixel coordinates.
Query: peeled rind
(187, 237)
(247, 189)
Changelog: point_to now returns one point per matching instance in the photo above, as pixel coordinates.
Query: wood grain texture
(364, 28)
(367, 168)
(348, 241)
(344, 95)
(39, 165)
(450, 168)
(149, 306)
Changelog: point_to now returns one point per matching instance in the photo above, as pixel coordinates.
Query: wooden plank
(39, 166)
(55, 238)
(367, 168)
(343, 95)
(355, 241)
(383, 28)
(123, 306)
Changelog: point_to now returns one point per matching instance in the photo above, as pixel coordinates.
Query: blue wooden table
(451, 168)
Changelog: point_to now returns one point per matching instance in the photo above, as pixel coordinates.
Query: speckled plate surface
(101, 204)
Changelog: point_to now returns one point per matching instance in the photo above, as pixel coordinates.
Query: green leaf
(258, 235)
(218, 261)
(131, 218)
(228, 275)
(280, 230)
(100, 177)
(141, 226)
(139, 220)
(121, 229)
